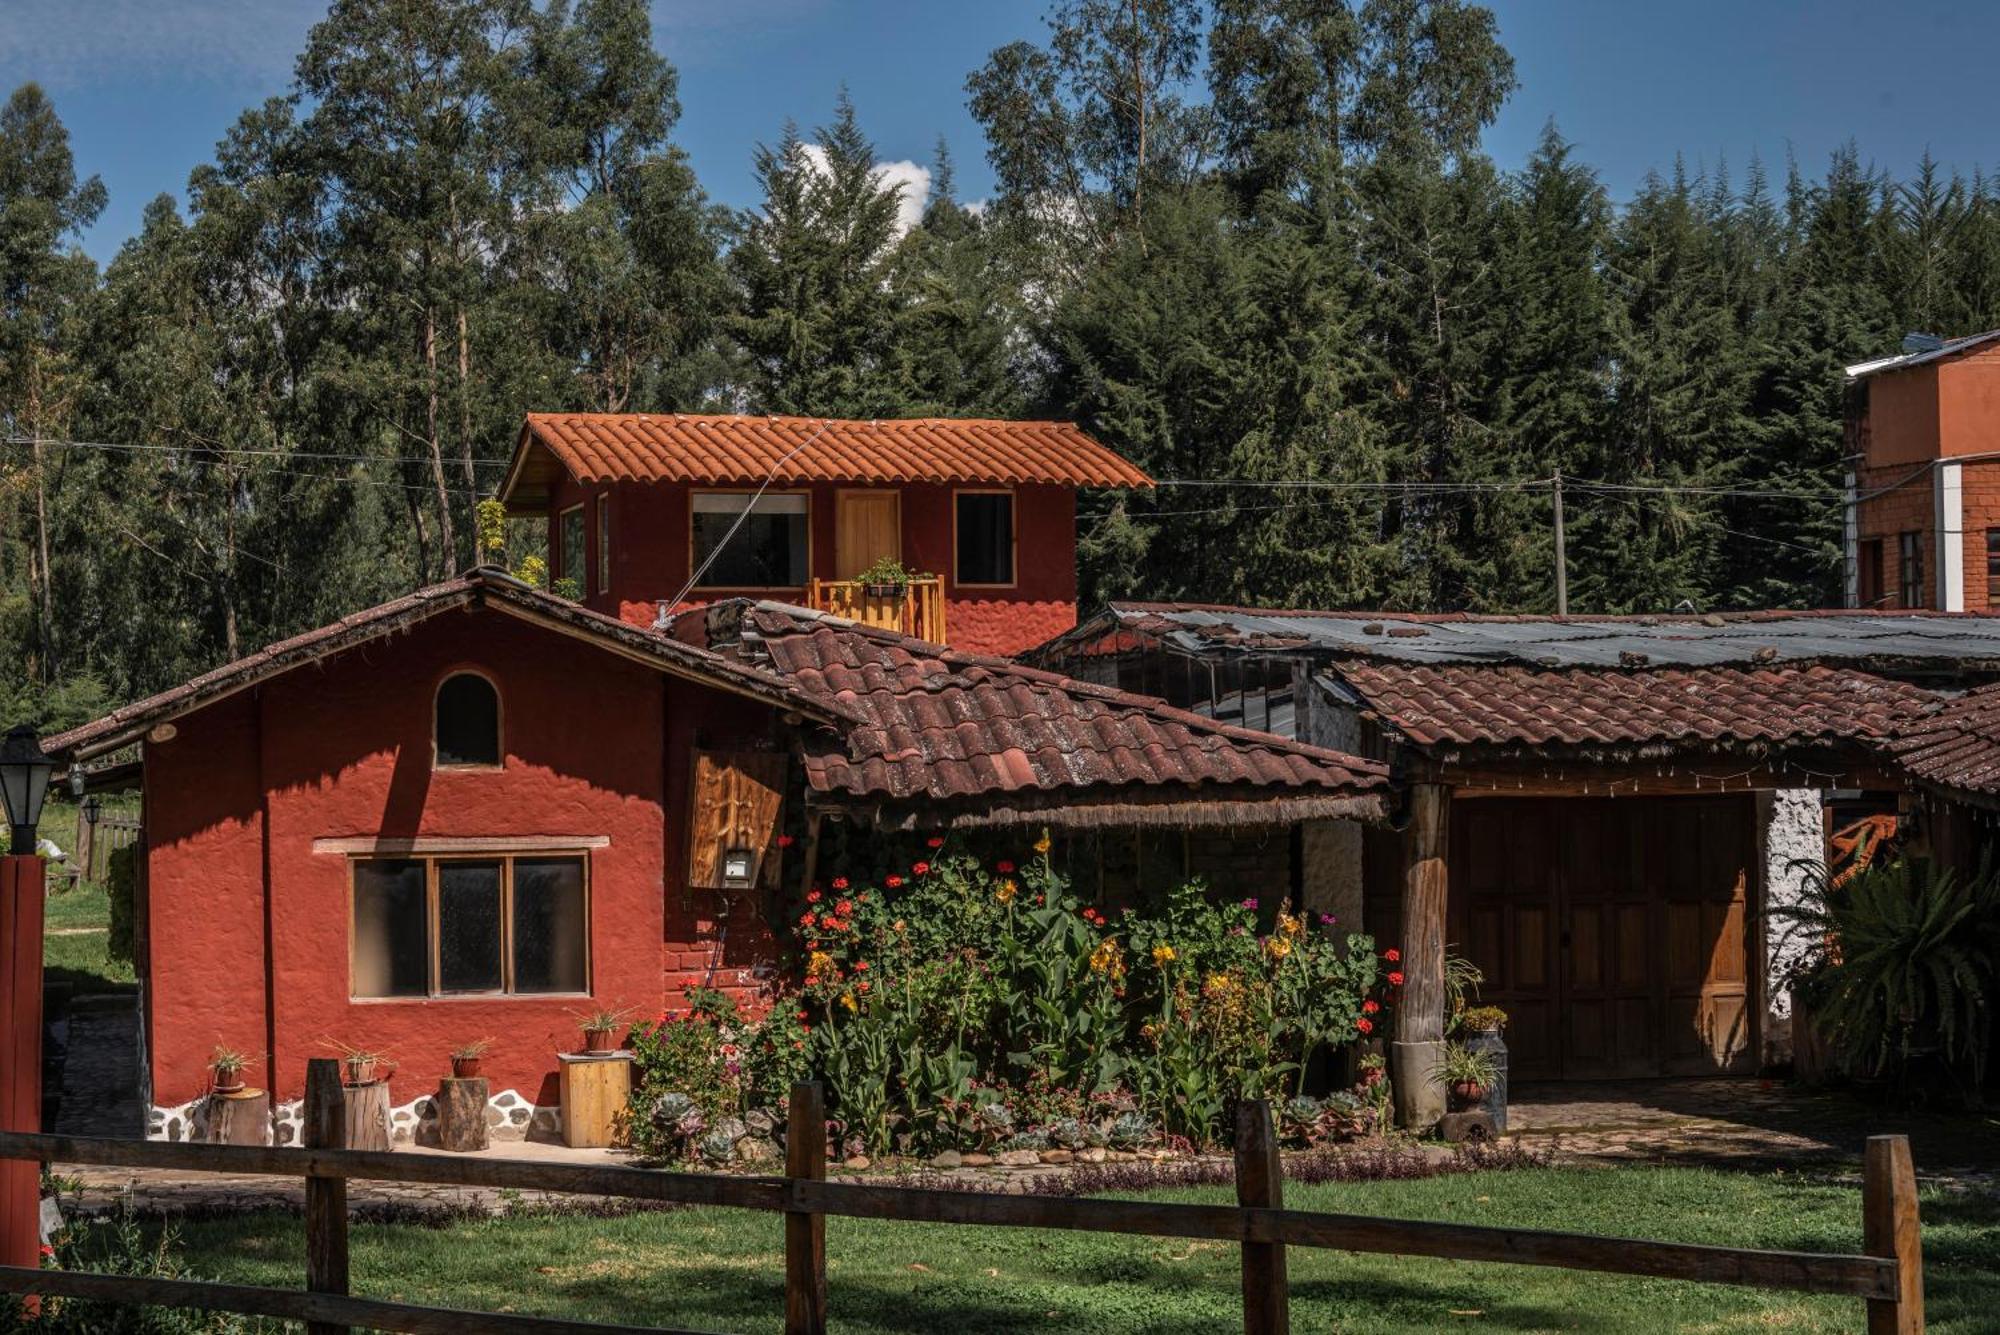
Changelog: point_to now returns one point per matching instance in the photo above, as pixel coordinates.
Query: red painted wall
(650, 557)
(243, 910)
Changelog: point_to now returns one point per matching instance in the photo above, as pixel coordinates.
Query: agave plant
(1899, 961)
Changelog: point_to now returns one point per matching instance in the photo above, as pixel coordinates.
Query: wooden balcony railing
(914, 609)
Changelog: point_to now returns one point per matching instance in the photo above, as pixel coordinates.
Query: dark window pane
(985, 538)
(572, 546)
(548, 925)
(603, 544)
(469, 927)
(768, 550)
(468, 721)
(392, 949)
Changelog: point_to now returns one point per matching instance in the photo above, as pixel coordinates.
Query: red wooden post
(805, 1233)
(21, 884)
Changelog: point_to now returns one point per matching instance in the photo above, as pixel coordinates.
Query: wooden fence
(97, 840)
(1889, 1277)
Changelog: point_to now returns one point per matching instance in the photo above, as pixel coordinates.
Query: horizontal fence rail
(1889, 1278)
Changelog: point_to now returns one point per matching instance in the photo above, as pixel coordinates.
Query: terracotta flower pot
(464, 1068)
(228, 1085)
(360, 1072)
(1468, 1092)
(600, 1040)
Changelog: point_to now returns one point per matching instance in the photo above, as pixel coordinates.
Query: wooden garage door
(1614, 932)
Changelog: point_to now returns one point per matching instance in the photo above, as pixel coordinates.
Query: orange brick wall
(1899, 509)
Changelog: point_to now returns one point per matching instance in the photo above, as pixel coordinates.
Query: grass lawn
(713, 1269)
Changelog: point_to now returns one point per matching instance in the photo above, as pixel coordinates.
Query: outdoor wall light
(736, 867)
(24, 783)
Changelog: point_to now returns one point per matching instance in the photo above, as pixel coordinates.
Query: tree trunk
(448, 543)
(45, 598)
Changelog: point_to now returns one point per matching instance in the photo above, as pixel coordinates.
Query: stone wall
(1792, 840)
(509, 1116)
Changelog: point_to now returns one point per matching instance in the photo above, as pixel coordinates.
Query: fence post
(326, 1197)
(805, 1234)
(1890, 1228)
(1260, 1181)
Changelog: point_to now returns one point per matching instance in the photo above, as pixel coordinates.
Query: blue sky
(148, 86)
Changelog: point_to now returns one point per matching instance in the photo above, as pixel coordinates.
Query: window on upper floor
(1993, 567)
(983, 524)
(604, 544)
(497, 924)
(767, 548)
(1910, 568)
(467, 727)
(1868, 578)
(569, 548)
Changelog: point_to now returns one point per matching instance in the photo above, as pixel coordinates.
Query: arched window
(468, 721)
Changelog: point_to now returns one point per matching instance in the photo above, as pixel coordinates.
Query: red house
(481, 808)
(656, 512)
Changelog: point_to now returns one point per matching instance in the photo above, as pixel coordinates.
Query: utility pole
(1562, 559)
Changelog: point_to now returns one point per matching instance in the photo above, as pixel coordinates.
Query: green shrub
(121, 883)
(1900, 962)
(117, 1244)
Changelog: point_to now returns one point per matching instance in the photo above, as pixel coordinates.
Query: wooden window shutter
(736, 801)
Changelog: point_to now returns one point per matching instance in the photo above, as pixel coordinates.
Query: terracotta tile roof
(1720, 708)
(677, 447)
(1956, 744)
(487, 586)
(945, 727)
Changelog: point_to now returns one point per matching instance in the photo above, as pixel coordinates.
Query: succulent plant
(718, 1147)
(1026, 1140)
(669, 1108)
(1129, 1130)
(1068, 1133)
(996, 1117)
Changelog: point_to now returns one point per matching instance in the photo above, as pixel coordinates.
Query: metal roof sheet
(1902, 361)
(1944, 639)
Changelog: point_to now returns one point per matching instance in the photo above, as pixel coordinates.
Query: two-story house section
(978, 516)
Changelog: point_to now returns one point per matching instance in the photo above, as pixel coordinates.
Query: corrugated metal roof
(1947, 640)
(1950, 347)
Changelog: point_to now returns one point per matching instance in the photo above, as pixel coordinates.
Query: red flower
(812, 897)
(861, 966)
(806, 921)
(892, 881)
(1392, 955)
(1004, 868)
(844, 907)
(862, 986)
(784, 841)
(802, 1015)
(1396, 979)
(1365, 1025)
(921, 868)
(1371, 1006)
(840, 882)
(935, 841)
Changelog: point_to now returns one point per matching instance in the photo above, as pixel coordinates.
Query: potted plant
(225, 1070)
(1467, 1074)
(600, 1027)
(885, 579)
(465, 1058)
(361, 1066)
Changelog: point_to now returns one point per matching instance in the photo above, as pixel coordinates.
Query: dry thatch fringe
(1376, 1162)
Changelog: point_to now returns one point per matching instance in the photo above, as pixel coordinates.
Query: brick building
(1923, 481)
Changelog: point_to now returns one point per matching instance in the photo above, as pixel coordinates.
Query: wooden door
(1613, 931)
(867, 526)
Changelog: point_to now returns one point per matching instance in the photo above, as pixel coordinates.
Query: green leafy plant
(1461, 1066)
(1899, 964)
(1481, 1020)
(886, 571)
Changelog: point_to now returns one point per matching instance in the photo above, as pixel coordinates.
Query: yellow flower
(1108, 959)
(1277, 947)
(1163, 955)
(1042, 844)
(896, 926)
(847, 1000)
(1005, 894)
(818, 965)
(1290, 924)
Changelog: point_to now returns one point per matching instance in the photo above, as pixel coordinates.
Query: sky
(148, 86)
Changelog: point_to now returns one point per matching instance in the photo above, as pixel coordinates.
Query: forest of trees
(1254, 245)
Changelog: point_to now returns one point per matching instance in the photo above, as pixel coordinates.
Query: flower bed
(954, 1001)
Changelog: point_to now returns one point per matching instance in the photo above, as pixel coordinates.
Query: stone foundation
(509, 1116)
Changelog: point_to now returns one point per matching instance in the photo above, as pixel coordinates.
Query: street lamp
(24, 782)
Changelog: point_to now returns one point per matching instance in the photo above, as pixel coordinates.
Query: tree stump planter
(462, 1114)
(368, 1116)
(239, 1116)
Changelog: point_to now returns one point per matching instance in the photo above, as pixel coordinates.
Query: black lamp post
(24, 783)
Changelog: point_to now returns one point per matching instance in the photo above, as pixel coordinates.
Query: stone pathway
(100, 1073)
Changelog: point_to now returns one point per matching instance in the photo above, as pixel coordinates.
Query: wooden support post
(1418, 1049)
(1890, 1228)
(1260, 1181)
(326, 1197)
(21, 894)
(805, 1234)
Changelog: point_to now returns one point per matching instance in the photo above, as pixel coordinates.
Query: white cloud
(65, 43)
(912, 178)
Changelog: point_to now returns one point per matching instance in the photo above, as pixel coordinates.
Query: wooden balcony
(917, 609)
